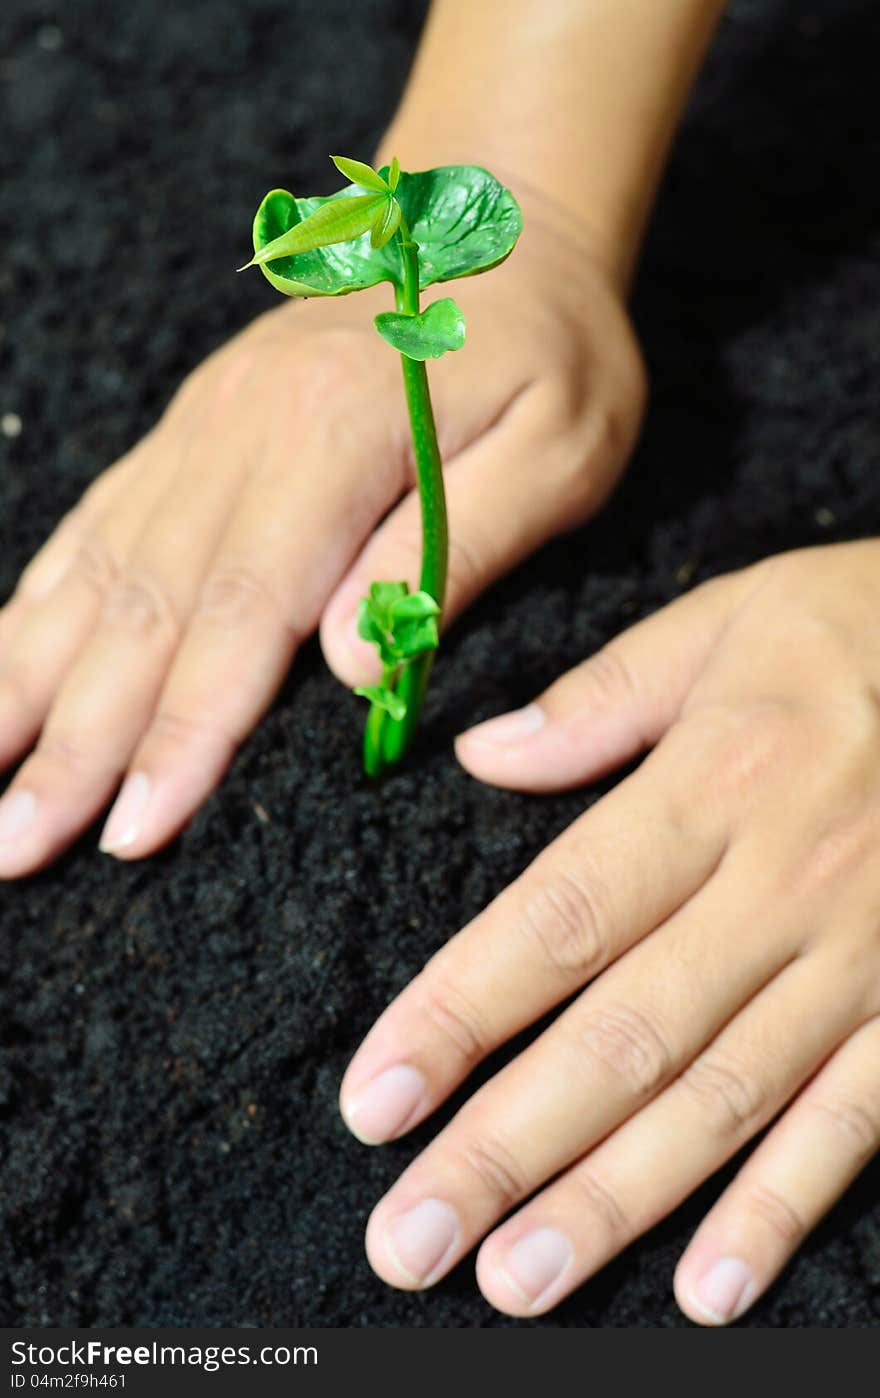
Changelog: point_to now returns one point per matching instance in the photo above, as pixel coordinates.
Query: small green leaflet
(438, 328)
(359, 173)
(413, 606)
(386, 227)
(384, 595)
(384, 699)
(399, 623)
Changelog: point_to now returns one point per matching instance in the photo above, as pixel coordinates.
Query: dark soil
(173, 1032)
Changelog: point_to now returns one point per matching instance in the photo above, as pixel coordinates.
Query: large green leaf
(462, 218)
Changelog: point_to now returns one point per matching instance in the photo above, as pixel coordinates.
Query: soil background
(173, 1031)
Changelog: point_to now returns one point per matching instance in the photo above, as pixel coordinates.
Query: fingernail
(125, 820)
(508, 728)
(537, 1261)
(17, 812)
(725, 1290)
(421, 1240)
(383, 1107)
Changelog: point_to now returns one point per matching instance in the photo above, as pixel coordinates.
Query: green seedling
(411, 230)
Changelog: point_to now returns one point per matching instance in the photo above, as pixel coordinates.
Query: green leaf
(383, 595)
(463, 220)
(414, 605)
(393, 174)
(412, 638)
(328, 271)
(375, 623)
(440, 327)
(359, 173)
(384, 699)
(337, 221)
(387, 225)
(369, 628)
(399, 623)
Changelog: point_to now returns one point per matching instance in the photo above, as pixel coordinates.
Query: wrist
(571, 102)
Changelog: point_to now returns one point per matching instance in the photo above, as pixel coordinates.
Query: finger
(108, 695)
(791, 1181)
(607, 1055)
(654, 1160)
(56, 617)
(612, 706)
(286, 547)
(497, 517)
(618, 872)
(49, 564)
(53, 559)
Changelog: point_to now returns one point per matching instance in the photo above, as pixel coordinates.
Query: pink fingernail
(421, 1240)
(385, 1105)
(127, 816)
(510, 728)
(17, 812)
(725, 1290)
(535, 1262)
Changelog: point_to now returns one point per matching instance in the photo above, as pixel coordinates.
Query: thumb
(516, 485)
(612, 706)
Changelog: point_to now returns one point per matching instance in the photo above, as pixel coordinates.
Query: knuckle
(68, 752)
(564, 916)
(858, 1127)
(465, 572)
(605, 441)
(603, 1204)
(626, 1042)
(844, 847)
(137, 602)
(498, 1173)
(450, 1015)
(94, 563)
(755, 751)
(188, 730)
(236, 596)
(562, 396)
(609, 678)
(776, 1212)
(729, 1099)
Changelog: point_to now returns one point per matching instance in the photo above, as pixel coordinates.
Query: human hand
(720, 906)
(152, 630)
